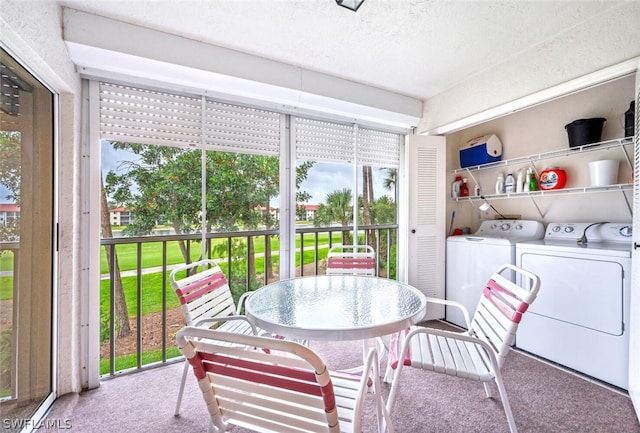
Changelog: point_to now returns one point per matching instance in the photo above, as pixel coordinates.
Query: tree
(122, 323)
(367, 200)
(162, 182)
(10, 164)
(338, 209)
(165, 183)
(10, 178)
(302, 197)
(390, 183)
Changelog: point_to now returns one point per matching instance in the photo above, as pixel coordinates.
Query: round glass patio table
(335, 307)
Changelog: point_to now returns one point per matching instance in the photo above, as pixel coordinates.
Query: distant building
(120, 216)
(9, 212)
(274, 211)
(309, 211)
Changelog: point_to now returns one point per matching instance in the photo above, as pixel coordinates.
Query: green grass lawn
(151, 252)
(6, 288)
(125, 362)
(151, 283)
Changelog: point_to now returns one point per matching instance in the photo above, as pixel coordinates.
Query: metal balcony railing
(153, 312)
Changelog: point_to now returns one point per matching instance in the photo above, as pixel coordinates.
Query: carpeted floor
(544, 399)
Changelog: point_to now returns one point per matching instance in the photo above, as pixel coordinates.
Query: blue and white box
(481, 150)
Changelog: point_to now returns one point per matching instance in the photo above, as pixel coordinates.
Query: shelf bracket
(626, 199)
(475, 182)
(626, 155)
(537, 207)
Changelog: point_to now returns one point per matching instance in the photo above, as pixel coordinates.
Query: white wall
(31, 31)
(607, 40)
(541, 129)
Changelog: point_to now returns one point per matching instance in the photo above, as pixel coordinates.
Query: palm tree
(368, 200)
(390, 183)
(338, 209)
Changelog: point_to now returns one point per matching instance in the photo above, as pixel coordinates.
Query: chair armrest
(212, 320)
(455, 304)
(243, 298)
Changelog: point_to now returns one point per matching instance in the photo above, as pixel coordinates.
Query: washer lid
(555, 246)
(482, 240)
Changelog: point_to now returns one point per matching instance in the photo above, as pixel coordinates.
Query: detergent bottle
(464, 188)
(456, 187)
(500, 184)
(509, 184)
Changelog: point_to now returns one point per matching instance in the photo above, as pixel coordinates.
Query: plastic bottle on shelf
(464, 188)
(629, 117)
(509, 184)
(520, 182)
(477, 191)
(526, 187)
(456, 186)
(500, 184)
(533, 183)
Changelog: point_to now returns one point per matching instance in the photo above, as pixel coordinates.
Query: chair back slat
(200, 287)
(214, 304)
(499, 313)
(351, 260)
(260, 383)
(204, 294)
(277, 376)
(506, 301)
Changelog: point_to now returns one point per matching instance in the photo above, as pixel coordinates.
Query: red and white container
(553, 178)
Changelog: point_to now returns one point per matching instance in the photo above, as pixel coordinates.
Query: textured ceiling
(413, 47)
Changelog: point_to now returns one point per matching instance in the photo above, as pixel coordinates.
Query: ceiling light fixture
(350, 4)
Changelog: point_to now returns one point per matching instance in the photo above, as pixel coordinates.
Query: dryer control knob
(568, 229)
(505, 227)
(625, 231)
(556, 228)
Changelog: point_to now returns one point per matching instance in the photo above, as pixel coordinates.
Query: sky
(323, 178)
(3, 195)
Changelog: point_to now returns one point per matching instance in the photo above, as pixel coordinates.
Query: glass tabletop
(335, 307)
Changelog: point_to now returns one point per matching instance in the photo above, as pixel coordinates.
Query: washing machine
(580, 318)
(472, 259)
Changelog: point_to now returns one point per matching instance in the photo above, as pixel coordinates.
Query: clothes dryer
(580, 318)
(472, 259)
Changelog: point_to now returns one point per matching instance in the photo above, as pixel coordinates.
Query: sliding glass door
(26, 243)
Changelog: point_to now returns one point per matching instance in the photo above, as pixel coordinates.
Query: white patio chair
(478, 353)
(351, 260)
(271, 385)
(206, 301)
(355, 260)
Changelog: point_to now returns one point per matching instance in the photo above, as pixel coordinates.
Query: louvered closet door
(634, 336)
(426, 217)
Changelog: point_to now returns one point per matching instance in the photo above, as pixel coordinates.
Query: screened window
(188, 177)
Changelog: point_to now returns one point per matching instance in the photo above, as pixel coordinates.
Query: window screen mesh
(144, 116)
(137, 115)
(317, 140)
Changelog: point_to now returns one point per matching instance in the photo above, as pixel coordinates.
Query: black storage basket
(585, 131)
